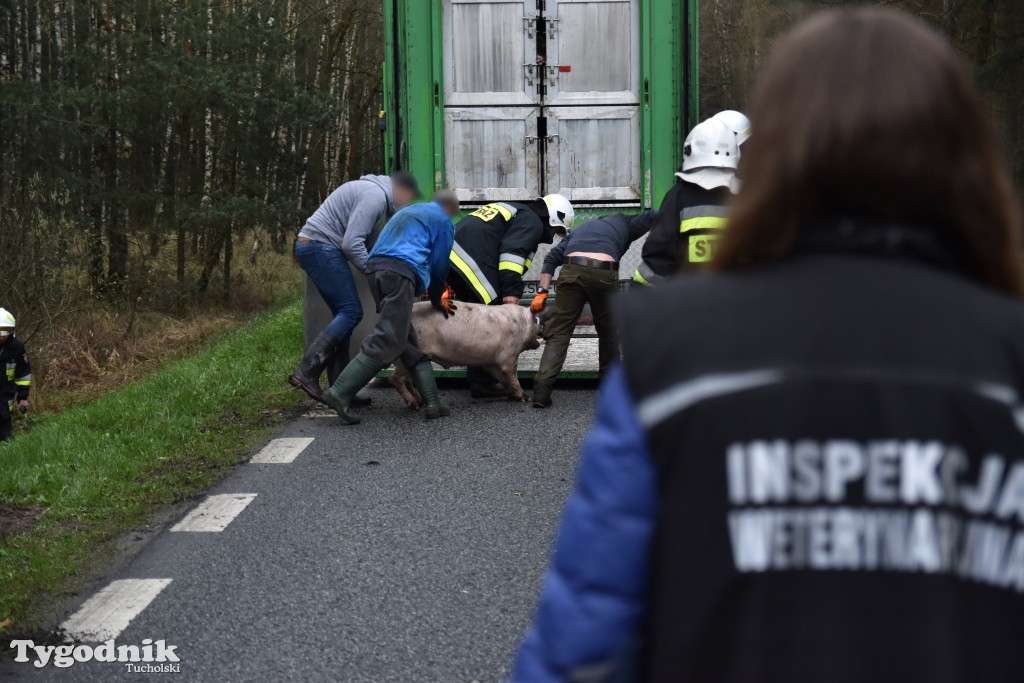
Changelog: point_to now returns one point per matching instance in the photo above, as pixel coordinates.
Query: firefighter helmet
(737, 122)
(710, 145)
(560, 211)
(6, 324)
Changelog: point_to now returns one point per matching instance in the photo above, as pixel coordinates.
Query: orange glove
(445, 305)
(538, 301)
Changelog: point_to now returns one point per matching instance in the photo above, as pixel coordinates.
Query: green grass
(102, 468)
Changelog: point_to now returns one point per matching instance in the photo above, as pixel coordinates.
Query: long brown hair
(869, 113)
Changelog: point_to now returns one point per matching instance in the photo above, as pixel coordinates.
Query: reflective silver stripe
(508, 207)
(707, 211)
(648, 275)
(512, 258)
(663, 405)
(471, 262)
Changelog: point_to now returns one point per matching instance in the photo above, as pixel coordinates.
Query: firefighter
(810, 465)
(693, 211)
(589, 258)
(332, 238)
(494, 247)
(17, 378)
(411, 256)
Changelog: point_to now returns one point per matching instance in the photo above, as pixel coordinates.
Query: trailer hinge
(530, 25)
(531, 73)
(552, 71)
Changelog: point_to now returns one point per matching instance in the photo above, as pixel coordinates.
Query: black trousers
(465, 292)
(393, 336)
(6, 426)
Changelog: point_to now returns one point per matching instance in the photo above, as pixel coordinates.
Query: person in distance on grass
(411, 256)
(333, 237)
(16, 380)
(810, 465)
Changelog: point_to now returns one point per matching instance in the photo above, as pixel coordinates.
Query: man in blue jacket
(410, 256)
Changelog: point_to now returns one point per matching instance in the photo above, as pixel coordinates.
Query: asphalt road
(398, 550)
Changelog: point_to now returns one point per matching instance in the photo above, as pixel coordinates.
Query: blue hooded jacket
(594, 595)
(421, 236)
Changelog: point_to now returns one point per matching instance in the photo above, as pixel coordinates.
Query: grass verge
(97, 470)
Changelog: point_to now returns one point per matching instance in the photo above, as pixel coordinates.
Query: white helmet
(560, 211)
(737, 122)
(710, 145)
(6, 324)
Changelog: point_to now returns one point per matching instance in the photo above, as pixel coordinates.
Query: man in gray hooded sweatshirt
(334, 236)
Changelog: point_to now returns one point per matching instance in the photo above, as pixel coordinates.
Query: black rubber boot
(541, 396)
(423, 379)
(356, 375)
(312, 365)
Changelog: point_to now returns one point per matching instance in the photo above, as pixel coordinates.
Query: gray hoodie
(349, 215)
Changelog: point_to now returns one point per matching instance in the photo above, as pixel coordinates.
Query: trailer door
(593, 153)
(592, 52)
(492, 99)
(592, 104)
(491, 153)
(490, 53)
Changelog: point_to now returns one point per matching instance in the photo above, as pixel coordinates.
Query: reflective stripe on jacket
(684, 237)
(494, 247)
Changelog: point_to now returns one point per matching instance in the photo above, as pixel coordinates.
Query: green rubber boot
(356, 375)
(423, 379)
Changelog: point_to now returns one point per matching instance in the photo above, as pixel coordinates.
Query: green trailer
(512, 99)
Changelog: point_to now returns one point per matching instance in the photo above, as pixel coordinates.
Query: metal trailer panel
(586, 62)
(484, 68)
(500, 134)
(594, 153)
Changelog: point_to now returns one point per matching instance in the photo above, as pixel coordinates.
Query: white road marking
(281, 451)
(214, 513)
(106, 614)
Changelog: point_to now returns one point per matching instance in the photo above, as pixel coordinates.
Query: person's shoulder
(983, 304)
(691, 193)
(16, 346)
(369, 188)
(680, 290)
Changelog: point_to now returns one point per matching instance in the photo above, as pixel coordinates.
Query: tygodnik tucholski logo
(149, 657)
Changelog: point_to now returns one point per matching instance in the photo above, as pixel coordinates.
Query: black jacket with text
(838, 448)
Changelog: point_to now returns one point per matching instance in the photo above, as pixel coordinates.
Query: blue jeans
(328, 268)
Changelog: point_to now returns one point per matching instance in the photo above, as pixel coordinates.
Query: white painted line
(106, 614)
(214, 513)
(281, 451)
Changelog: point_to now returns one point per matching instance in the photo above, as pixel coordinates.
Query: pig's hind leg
(401, 380)
(510, 379)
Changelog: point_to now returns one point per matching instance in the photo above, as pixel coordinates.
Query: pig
(490, 337)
